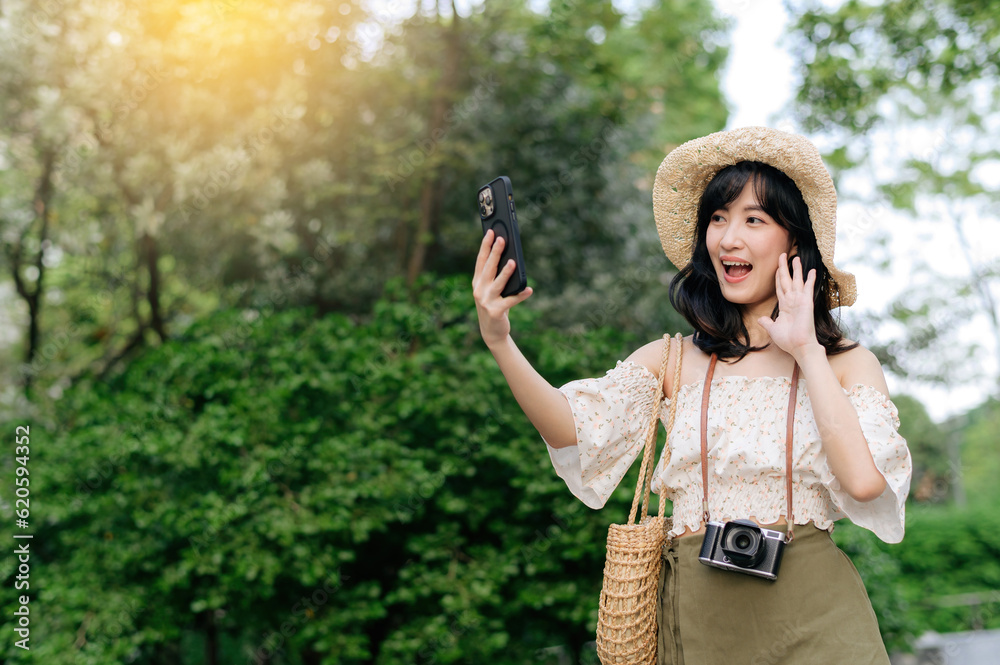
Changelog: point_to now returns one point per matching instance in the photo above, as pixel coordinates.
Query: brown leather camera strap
(789, 428)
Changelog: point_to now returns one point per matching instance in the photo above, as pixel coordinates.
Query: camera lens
(741, 541)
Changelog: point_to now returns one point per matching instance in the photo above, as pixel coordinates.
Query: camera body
(743, 546)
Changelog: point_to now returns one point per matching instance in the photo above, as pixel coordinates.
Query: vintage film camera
(743, 546)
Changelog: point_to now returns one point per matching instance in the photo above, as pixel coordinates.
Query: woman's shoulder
(650, 355)
(858, 365)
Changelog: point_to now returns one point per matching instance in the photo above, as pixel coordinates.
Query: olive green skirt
(816, 613)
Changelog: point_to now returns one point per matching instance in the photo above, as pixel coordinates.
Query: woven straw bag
(626, 620)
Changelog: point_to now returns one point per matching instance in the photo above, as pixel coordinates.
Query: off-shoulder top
(747, 419)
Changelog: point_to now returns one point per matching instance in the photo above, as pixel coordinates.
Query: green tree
(928, 443)
(382, 470)
(218, 153)
(911, 89)
(980, 453)
(334, 491)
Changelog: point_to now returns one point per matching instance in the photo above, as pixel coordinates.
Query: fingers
(489, 282)
(493, 260)
(779, 287)
(520, 297)
(786, 281)
(783, 282)
(484, 251)
(806, 284)
(498, 284)
(504, 275)
(488, 258)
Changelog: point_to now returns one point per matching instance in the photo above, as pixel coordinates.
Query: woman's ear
(793, 251)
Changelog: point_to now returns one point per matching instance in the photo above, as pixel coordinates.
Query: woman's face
(744, 243)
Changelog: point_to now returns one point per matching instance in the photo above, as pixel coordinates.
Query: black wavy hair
(695, 292)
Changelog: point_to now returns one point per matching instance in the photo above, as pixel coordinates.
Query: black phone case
(497, 212)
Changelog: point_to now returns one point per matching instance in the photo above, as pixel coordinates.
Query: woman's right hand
(494, 325)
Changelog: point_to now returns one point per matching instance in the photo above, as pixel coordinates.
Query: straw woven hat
(687, 170)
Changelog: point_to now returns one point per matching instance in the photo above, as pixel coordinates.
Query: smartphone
(496, 210)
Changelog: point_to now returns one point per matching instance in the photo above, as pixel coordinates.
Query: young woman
(748, 216)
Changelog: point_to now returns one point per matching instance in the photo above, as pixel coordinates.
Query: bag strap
(645, 481)
(789, 428)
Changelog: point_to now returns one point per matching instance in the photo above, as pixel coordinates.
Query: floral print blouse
(746, 456)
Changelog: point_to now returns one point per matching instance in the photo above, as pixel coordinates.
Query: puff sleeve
(612, 415)
(885, 516)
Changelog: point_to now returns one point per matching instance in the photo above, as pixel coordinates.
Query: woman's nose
(732, 238)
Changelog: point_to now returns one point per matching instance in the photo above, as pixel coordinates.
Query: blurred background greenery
(238, 238)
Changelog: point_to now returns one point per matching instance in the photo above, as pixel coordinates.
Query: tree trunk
(211, 639)
(150, 255)
(310, 657)
(33, 297)
(430, 193)
(166, 653)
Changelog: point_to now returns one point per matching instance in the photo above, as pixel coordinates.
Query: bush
(293, 485)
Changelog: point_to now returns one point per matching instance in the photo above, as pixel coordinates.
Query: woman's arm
(544, 405)
(844, 443)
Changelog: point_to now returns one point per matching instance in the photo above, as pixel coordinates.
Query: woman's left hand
(793, 331)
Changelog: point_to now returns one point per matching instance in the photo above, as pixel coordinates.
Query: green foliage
(928, 443)
(381, 470)
(948, 552)
(880, 571)
(905, 93)
(981, 452)
(921, 56)
(361, 487)
(368, 487)
(932, 580)
(265, 150)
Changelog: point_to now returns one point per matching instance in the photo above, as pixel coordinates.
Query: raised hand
(793, 331)
(491, 308)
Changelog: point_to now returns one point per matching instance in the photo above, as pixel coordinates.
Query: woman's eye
(755, 219)
(717, 218)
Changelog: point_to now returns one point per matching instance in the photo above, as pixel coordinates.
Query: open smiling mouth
(736, 271)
